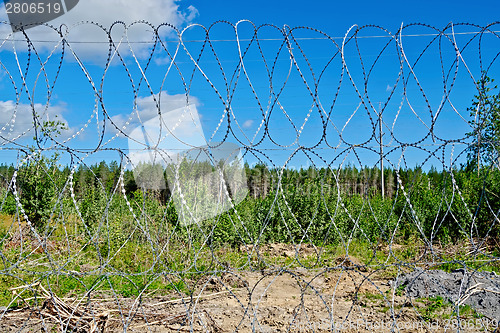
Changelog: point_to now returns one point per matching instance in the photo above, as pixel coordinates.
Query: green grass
(434, 307)
(438, 307)
(373, 297)
(95, 286)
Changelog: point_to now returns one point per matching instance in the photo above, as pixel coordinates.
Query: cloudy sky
(103, 96)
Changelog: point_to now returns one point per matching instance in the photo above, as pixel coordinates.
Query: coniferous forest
(313, 205)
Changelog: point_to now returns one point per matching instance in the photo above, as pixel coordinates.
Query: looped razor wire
(249, 178)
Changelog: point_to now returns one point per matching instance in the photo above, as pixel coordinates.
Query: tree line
(285, 205)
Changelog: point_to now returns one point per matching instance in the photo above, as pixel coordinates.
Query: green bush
(39, 181)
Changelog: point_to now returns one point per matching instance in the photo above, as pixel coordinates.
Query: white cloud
(105, 13)
(175, 131)
(161, 61)
(149, 107)
(16, 121)
(193, 13)
(248, 123)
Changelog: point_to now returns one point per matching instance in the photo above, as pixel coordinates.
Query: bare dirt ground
(345, 298)
(295, 300)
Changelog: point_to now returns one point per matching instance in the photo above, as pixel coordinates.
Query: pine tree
(485, 111)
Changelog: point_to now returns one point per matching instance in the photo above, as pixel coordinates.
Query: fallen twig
(189, 298)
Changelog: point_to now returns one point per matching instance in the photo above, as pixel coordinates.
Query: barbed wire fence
(249, 209)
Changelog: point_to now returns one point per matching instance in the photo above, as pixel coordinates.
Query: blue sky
(407, 115)
(335, 17)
